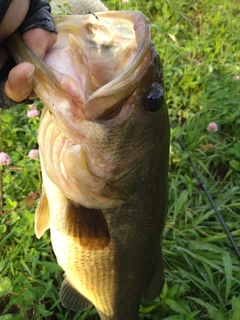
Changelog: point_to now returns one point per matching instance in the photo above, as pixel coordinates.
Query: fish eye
(154, 98)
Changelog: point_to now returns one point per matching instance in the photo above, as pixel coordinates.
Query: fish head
(105, 118)
(119, 124)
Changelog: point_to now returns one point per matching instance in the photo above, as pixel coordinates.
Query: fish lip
(103, 100)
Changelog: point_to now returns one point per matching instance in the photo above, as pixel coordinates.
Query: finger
(20, 82)
(39, 41)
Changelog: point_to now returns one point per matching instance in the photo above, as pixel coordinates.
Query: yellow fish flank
(104, 140)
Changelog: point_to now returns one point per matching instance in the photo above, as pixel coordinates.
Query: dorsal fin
(42, 215)
(88, 226)
(71, 298)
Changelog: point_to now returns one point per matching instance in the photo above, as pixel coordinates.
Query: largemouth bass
(104, 141)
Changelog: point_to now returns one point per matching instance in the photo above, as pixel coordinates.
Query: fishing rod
(230, 237)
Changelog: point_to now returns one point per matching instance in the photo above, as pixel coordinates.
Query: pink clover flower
(33, 154)
(32, 112)
(4, 159)
(212, 127)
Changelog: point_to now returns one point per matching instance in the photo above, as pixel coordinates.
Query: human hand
(19, 84)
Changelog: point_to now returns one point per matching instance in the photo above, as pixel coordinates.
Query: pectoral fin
(42, 215)
(88, 226)
(72, 299)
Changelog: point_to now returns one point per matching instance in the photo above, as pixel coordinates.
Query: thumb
(20, 82)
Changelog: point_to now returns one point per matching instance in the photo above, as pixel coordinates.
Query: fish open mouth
(97, 58)
(96, 64)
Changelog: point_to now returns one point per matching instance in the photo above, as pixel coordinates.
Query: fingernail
(30, 75)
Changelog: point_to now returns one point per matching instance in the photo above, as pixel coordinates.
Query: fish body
(104, 140)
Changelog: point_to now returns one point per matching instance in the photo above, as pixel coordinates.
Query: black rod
(210, 199)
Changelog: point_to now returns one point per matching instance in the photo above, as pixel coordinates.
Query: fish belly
(112, 279)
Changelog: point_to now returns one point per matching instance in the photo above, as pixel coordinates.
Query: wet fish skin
(124, 158)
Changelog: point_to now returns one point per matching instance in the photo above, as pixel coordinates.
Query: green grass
(199, 44)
